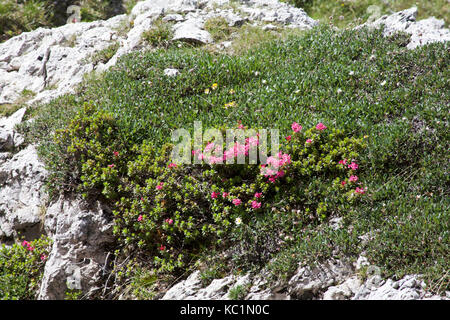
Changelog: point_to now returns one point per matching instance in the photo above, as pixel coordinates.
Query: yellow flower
(206, 91)
(214, 86)
(230, 104)
(232, 91)
(365, 137)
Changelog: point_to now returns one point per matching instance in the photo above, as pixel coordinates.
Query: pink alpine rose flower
(288, 138)
(296, 127)
(214, 195)
(258, 194)
(237, 202)
(172, 165)
(160, 186)
(320, 126)
(353, 166)
(308, 141)
(225, 194)
(353, 179)
(256, 204)
(140, 218)
(360, 190)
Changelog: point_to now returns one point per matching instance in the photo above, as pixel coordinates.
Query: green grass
(218, 28)
(344, 12)
(353, 80)
(16, 18)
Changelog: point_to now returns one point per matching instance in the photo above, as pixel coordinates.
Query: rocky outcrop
(9, 138)
(422, 32)
(51, 62)
(22, 196)
(332, 280)
(81, 233)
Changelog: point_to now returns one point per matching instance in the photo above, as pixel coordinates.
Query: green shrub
(170, 212)
(21, 269)
(238, 292)
(89, 146)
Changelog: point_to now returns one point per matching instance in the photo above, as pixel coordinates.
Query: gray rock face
(218, 289)
(309, 282)
(51, 62)
(21, 193)
(190, 31)
(80, 234)
(9, 138)
(332, 280)
(422, 32)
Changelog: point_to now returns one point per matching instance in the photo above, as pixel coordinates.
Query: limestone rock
(22, 194)
(410, 287)
(9, 138)
(190, 31)
(343, 291)
(422, 32)
(309, 282)
(81, 233)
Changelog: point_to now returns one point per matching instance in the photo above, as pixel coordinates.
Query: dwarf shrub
(21, 269)
(167, 212)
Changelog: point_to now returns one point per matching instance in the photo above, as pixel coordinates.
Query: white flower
(351, 73)
(383, 83)
(238, 221)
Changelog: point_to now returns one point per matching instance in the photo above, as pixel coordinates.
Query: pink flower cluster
(27, 245)
(275, 165)
(214, 195)
(296, 127)
(360, 190)
(219, 155)
(256, 204)
(352, 165)
(353, 178)
(160, 186)
(236, 201)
